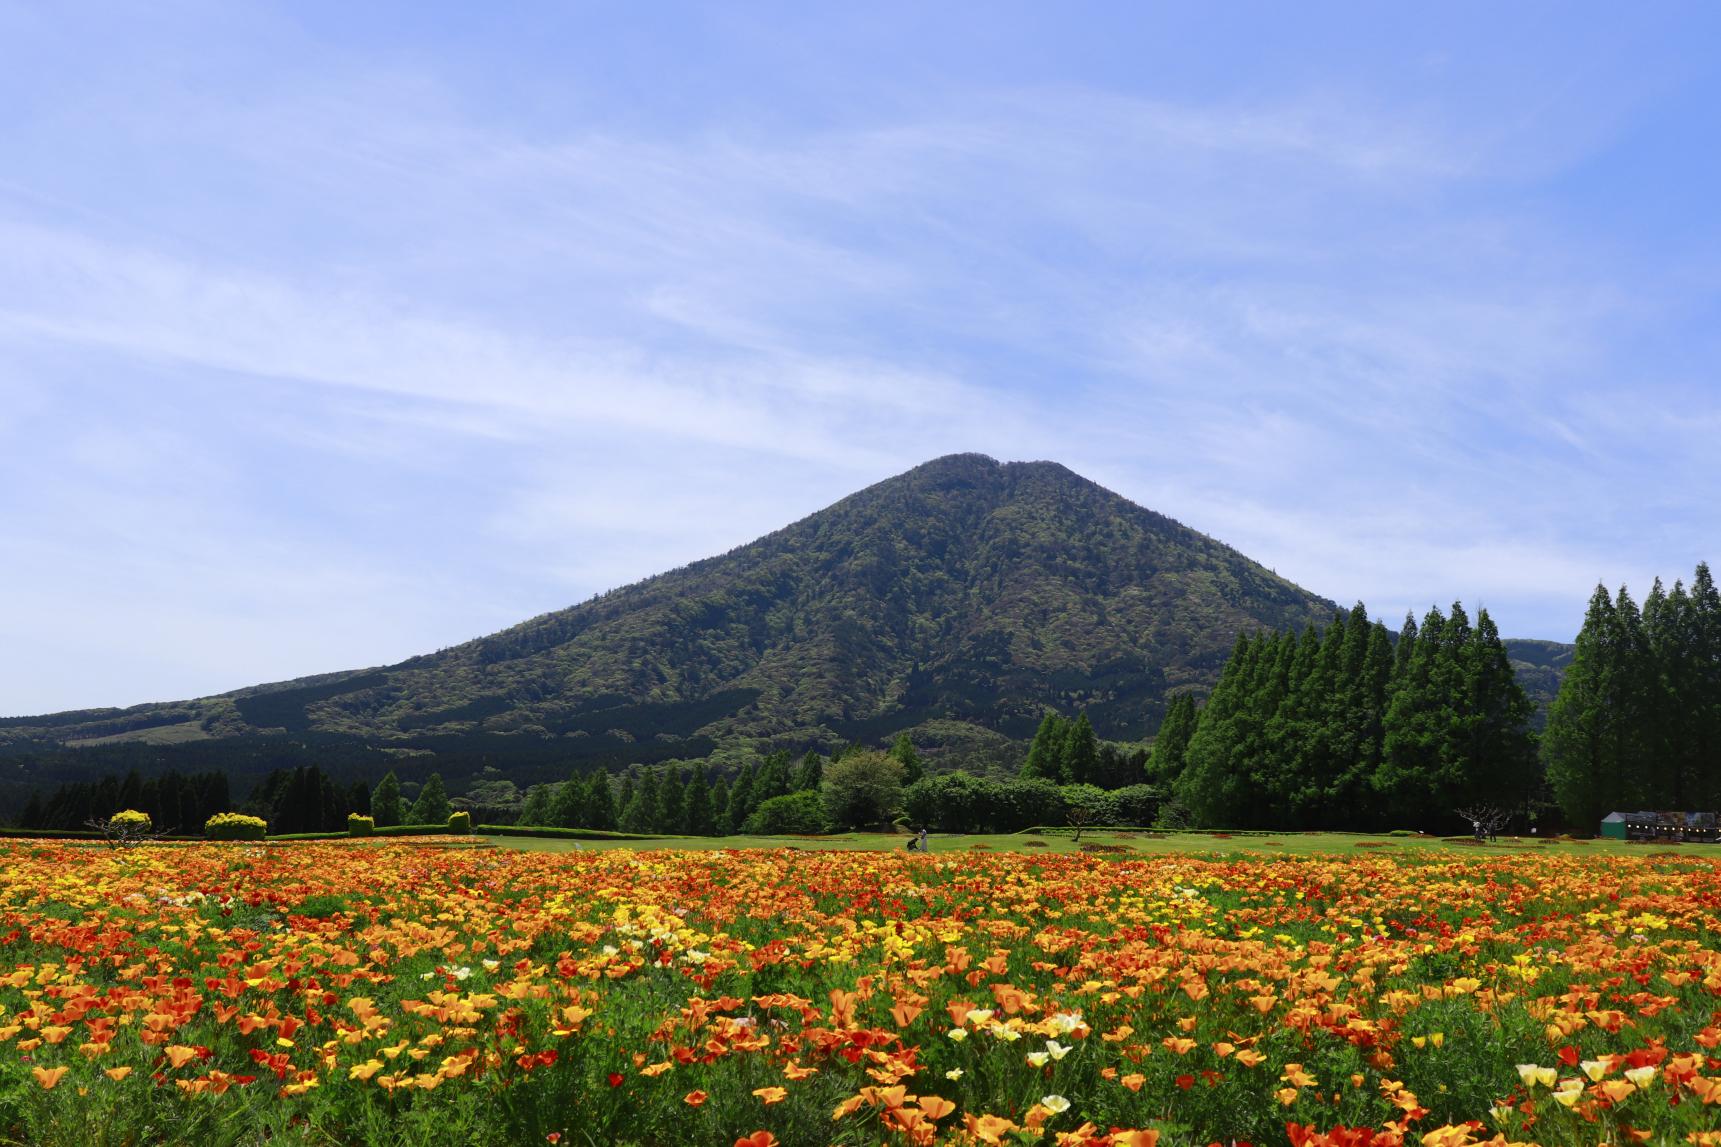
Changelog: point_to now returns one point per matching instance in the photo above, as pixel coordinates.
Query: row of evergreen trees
(1637, 722)
(305, 799)
(389, 808)
(1342, 728)
(687, 801)
(1066, 752)
(175, 802)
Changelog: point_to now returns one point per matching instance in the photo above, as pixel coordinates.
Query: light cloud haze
(328, 337)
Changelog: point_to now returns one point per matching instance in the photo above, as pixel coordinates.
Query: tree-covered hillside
(963, 591)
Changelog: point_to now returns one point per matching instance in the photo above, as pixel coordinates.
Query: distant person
(920, 841)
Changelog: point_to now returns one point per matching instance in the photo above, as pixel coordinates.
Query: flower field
(397, 993)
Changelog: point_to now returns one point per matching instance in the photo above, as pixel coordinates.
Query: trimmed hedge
(460, 823)
(235, 826)
(360, 825)
(51, 834)
(560, 833)
(413, 830)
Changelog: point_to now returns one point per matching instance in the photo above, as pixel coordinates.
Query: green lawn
(1137, 843)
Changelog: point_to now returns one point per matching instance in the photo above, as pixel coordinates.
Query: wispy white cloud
(1300, 322)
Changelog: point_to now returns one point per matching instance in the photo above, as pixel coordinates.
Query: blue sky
(332, 333)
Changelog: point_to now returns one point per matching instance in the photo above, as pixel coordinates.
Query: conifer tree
(741, 802)
(1496, 755)
(772, 779)
(811, 773)
(1081, 752)
(1213, 785)
(1416, 724)
(640, 815)
(720, 807)
(672, 788)
(1171, 744)
(385, 807)
(696, 815)
(1587, 747)
(629, 782)
(1701, 692)
(568, 807)
(431, 807)
(536, 810)
(1046, 752)
(600, 801)
(358, 800)
(912, 766)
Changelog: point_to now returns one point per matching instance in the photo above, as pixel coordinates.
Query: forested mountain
(960, 598)
(1540, 666)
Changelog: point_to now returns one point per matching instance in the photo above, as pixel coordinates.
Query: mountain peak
(965, 592)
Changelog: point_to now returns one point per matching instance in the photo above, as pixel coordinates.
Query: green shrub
(460, 823)
(802, 812)
(1137, 804)
(360, 825)
(235, 826)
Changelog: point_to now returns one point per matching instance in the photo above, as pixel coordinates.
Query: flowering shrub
(235, 826)
(360, 825)
(348, 993)
(132, 819)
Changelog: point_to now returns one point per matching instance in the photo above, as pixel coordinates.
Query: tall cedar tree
(1046, 751)
(540, 799)
(1637, 722)
(568, 807)
(640, 815)
(1171, 744)
(1336, 729)
(912, 766)
(772, 779)
(670, 795)
(600, 801)
(720, 807)
(629, 781)
(1081, 752)
(385, 807)
(431, 807)
(811, 772)
(696, 815)
(741, 802)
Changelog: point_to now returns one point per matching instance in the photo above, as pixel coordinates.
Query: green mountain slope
(963, 591)
(1539, 667)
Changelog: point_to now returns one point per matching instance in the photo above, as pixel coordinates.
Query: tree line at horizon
(176, 802)
(1637, 723)
(1343, 727)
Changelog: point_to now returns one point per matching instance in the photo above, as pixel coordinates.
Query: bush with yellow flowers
(235, 826)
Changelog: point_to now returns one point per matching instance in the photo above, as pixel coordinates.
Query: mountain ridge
(959, 600)
(917, 596)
